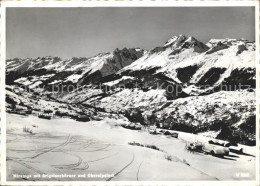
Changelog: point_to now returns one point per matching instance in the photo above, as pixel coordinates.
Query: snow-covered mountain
(199, 68)
(53, 70)
(182, 60)
(182, 85)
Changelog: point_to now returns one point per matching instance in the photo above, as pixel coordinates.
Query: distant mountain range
(183, 85)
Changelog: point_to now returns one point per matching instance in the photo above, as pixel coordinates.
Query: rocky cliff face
(183, 85)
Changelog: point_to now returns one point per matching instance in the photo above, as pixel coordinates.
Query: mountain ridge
(157, 87)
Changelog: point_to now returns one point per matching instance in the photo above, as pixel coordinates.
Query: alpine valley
(184, 85)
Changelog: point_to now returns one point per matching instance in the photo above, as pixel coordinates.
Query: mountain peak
(192, 42)
(175, 41)
(191, 39)
(181, 41)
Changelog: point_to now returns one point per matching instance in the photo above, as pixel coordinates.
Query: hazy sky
(84, 32)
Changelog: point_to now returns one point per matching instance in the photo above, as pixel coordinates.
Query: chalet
(83, 118)
(48, 112)
(44, 116)
(19, 107)
(36, 112)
